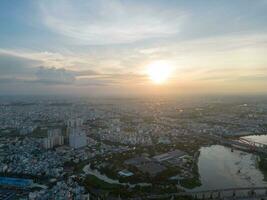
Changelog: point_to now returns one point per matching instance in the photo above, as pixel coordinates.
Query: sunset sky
(116, 47)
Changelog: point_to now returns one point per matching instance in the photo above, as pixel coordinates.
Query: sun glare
(159, 71)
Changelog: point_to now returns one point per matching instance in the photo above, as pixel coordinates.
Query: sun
(159, 71)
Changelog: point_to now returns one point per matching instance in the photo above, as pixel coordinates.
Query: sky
(104, 47)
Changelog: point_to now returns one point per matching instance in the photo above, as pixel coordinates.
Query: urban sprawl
(81, 149)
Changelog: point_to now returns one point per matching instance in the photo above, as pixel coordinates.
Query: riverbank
(219, 167)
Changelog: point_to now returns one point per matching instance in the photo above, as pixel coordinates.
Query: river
(219, 167)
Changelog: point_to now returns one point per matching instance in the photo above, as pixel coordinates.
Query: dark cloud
(7, 80)
(54, 76)
(18, 73)
(11, 65)
(17, 70)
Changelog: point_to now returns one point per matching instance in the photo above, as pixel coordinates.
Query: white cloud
(110, 22)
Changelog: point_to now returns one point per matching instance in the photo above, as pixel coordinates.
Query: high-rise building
(54, 138)
(76, 135)
(77, 139)
(74, 123)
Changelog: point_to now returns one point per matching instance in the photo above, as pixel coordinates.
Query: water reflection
(220, 168)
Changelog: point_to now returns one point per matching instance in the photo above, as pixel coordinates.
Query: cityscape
(133, 100)
(55, 148)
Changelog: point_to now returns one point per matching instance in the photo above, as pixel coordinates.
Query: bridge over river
(241, 143)
(236, 193)
(229, 193)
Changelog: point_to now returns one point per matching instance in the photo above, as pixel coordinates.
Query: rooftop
(169, 155)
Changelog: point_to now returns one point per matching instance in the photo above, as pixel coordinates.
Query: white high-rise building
(77, 136)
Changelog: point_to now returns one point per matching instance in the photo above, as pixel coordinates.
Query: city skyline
(108, 47)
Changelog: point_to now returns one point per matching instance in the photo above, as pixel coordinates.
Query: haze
(101, 47)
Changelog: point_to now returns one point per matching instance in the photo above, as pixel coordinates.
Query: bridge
(241, 143)
(219, 194)
(252, 144)
(230, 193)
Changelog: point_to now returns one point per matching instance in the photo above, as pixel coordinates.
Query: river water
(219, 167)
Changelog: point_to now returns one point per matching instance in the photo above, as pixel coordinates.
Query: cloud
(54, 76)
(86, 73)
(110, 22)
(249, 78)
(93, 82)
(24, 68)
(12, 65)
